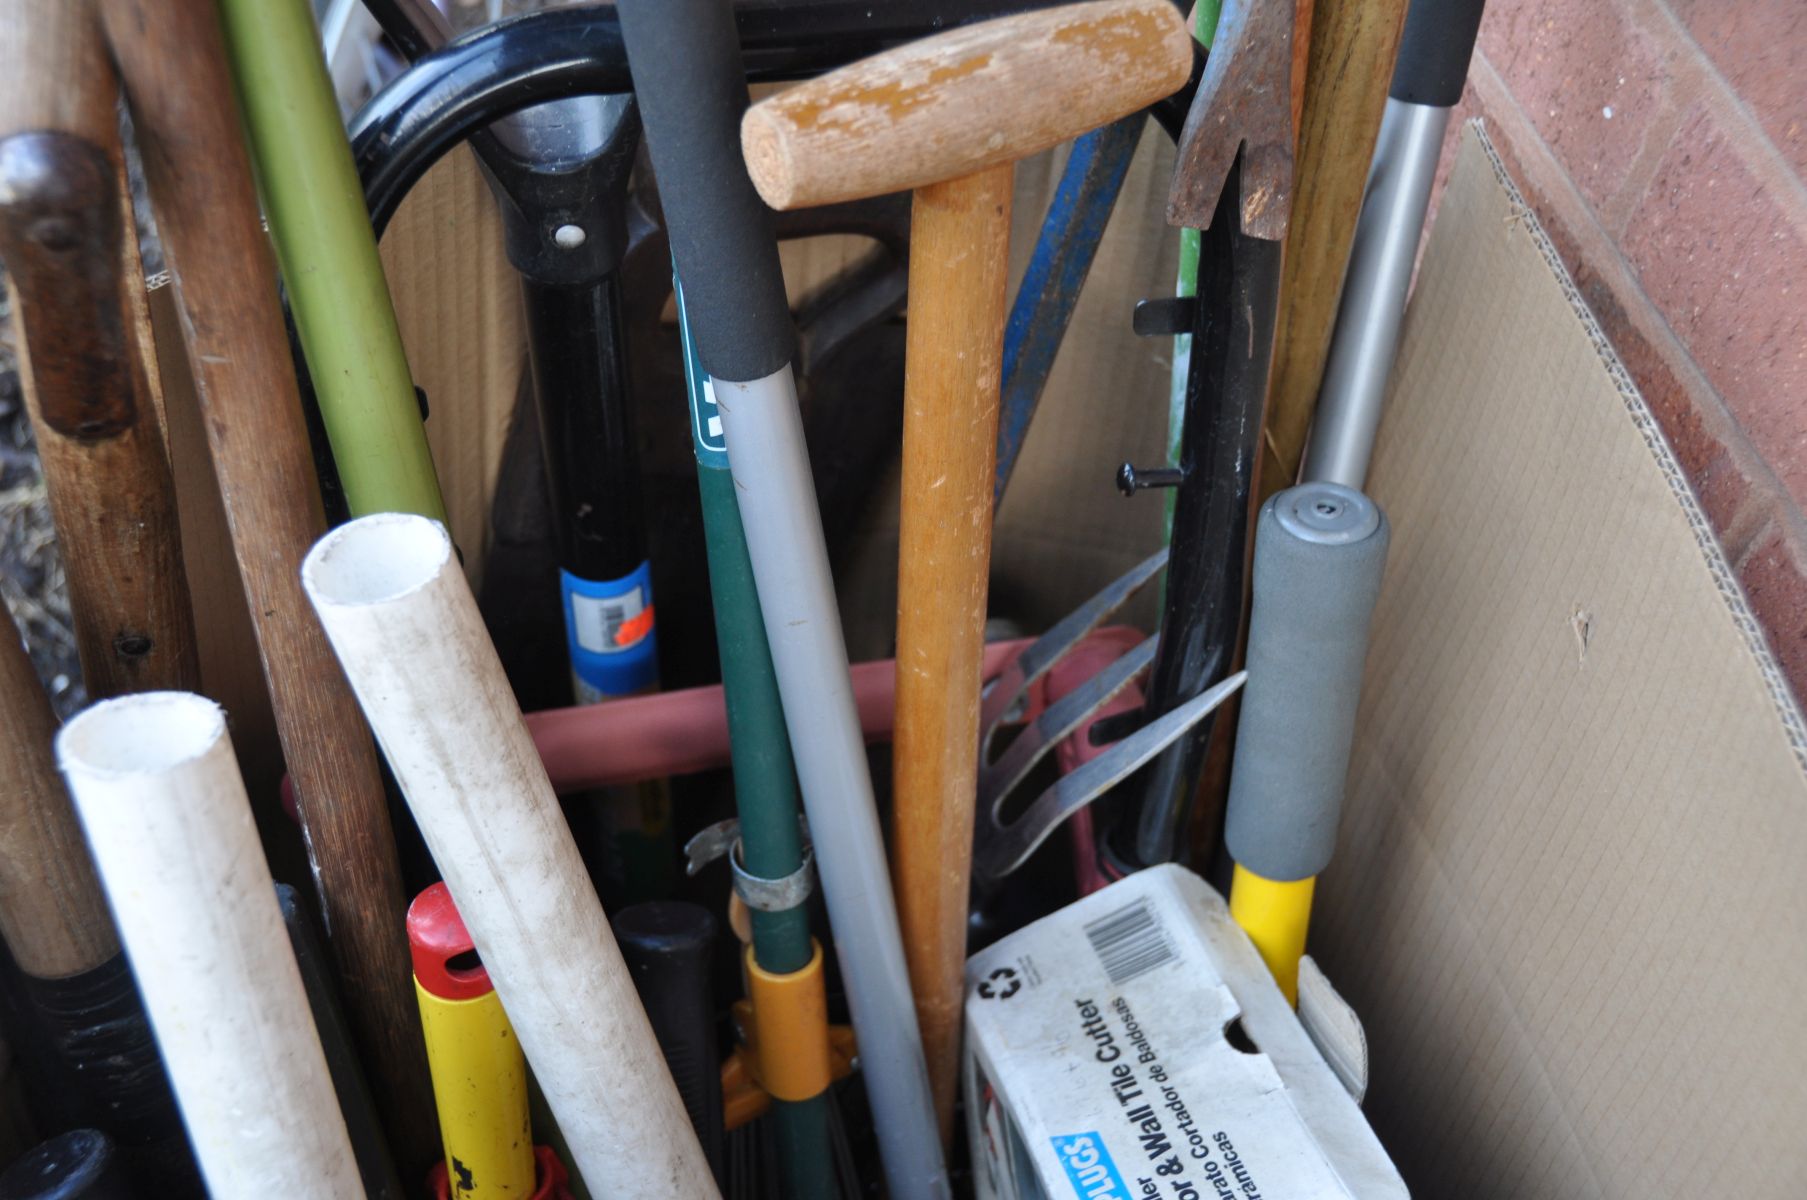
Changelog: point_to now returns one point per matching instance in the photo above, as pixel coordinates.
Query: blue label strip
(610, 634)
(1089, 1167)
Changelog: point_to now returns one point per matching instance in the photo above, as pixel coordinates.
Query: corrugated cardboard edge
(1788, 711)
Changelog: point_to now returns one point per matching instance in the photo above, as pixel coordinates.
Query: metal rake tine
(1056, 722)
(1003, 848)
(1007, 691)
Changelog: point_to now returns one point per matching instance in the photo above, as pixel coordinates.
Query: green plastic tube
(765, 777)
(327, 252)
(1204, 28)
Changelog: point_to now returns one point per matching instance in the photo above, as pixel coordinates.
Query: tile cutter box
(1103, 1062)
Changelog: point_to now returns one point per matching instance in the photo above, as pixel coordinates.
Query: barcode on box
(1130, 942)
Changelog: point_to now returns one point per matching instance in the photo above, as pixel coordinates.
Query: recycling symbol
(1001, 984)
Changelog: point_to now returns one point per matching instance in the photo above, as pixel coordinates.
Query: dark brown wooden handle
(172, 59)
(86, 362)
(52, 912)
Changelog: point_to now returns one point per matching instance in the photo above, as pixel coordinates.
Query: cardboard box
(1133, 1044)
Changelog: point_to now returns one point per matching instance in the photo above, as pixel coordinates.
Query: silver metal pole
(1368, 319)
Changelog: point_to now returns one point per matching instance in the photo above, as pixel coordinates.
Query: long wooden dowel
(166, 812)
(1352, 47)
(959, 259)
(52, 913)
(173, 64)
(86, 362)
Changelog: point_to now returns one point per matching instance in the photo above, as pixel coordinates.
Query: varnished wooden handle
(53, 55)
(959, 263)
(172, 61)
(964, 100)
(85, 354)
(51, 909)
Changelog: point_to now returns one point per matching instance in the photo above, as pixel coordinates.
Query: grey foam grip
(1320, 549)
(686, 63)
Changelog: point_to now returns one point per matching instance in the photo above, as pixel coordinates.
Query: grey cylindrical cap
(1320, 549)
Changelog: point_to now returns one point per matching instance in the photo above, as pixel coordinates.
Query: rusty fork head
(1244, 103)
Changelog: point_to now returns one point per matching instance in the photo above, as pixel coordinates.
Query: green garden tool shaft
(327, 252)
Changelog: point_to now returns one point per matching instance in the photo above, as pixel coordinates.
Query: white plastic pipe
(159, 794)
(402, 619)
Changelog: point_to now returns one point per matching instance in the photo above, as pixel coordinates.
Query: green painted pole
(765, 778)
(327, 252)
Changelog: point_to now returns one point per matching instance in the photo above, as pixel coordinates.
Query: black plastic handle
(1434, 51)
(685, 59)
(79, 1165)
(667, 945)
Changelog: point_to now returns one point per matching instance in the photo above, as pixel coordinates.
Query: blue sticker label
(705, 418)
(1089, 1167)
(609, 633)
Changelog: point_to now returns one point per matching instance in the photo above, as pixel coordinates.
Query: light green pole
(1204, 28)
(327, 252)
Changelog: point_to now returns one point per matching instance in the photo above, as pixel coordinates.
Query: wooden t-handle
(971, 98)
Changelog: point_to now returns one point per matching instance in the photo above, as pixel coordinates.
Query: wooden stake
(173, 65)
(86, 361)
(1352, 47)
(52, 912)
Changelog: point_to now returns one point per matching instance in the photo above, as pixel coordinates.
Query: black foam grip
(95, 1031)
(1434, 51)
(686, 65)
(82, 1164)
(667, 945)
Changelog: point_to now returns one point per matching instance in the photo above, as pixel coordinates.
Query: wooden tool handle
(971, 98)
(959, 264)
(172, 61)
(53, 50)
(85, 351)
(51, 909)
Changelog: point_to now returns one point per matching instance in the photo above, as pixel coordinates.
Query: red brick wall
(1663, 144)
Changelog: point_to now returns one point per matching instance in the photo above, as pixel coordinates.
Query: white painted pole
(402, 619)
(159, 794)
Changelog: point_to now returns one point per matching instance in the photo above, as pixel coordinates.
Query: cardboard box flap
(1569, 900)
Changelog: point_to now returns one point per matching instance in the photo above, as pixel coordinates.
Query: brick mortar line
(1552, 184)
(1750, 140)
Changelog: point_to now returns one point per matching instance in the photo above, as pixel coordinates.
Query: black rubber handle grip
(82, 1164)
(1434, 51)
(685, 59)
(667, 945)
